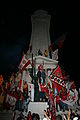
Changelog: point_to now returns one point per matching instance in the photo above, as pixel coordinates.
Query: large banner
(58, 83)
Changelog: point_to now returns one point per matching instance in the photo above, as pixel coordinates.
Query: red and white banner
(11, 99)
(24, 60)
(20, 64)
(28, 62)
(58, 83)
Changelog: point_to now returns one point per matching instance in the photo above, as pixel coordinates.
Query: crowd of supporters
(13, 98)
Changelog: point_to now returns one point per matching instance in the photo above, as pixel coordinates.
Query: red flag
(60, 41)
(57, 72)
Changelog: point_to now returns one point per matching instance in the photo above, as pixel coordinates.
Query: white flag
(55, 55)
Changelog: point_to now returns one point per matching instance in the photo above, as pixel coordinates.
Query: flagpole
(32, 67)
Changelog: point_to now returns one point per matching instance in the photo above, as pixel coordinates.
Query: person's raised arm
(46, 115)
(69, 112)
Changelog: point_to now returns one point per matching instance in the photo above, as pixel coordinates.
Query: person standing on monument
(50, 51)
(39, 74)
(39, 52)
(46, 53)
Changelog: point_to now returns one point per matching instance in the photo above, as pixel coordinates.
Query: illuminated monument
(40, 38)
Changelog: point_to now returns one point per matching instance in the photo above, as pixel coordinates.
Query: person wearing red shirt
(29, 115)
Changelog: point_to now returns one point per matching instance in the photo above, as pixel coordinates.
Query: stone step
(5, 116)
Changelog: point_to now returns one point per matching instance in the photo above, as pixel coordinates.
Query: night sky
(15, 34)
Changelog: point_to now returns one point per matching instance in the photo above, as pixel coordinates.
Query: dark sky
(15, 33)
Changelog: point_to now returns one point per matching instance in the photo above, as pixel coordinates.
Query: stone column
(40, 38)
